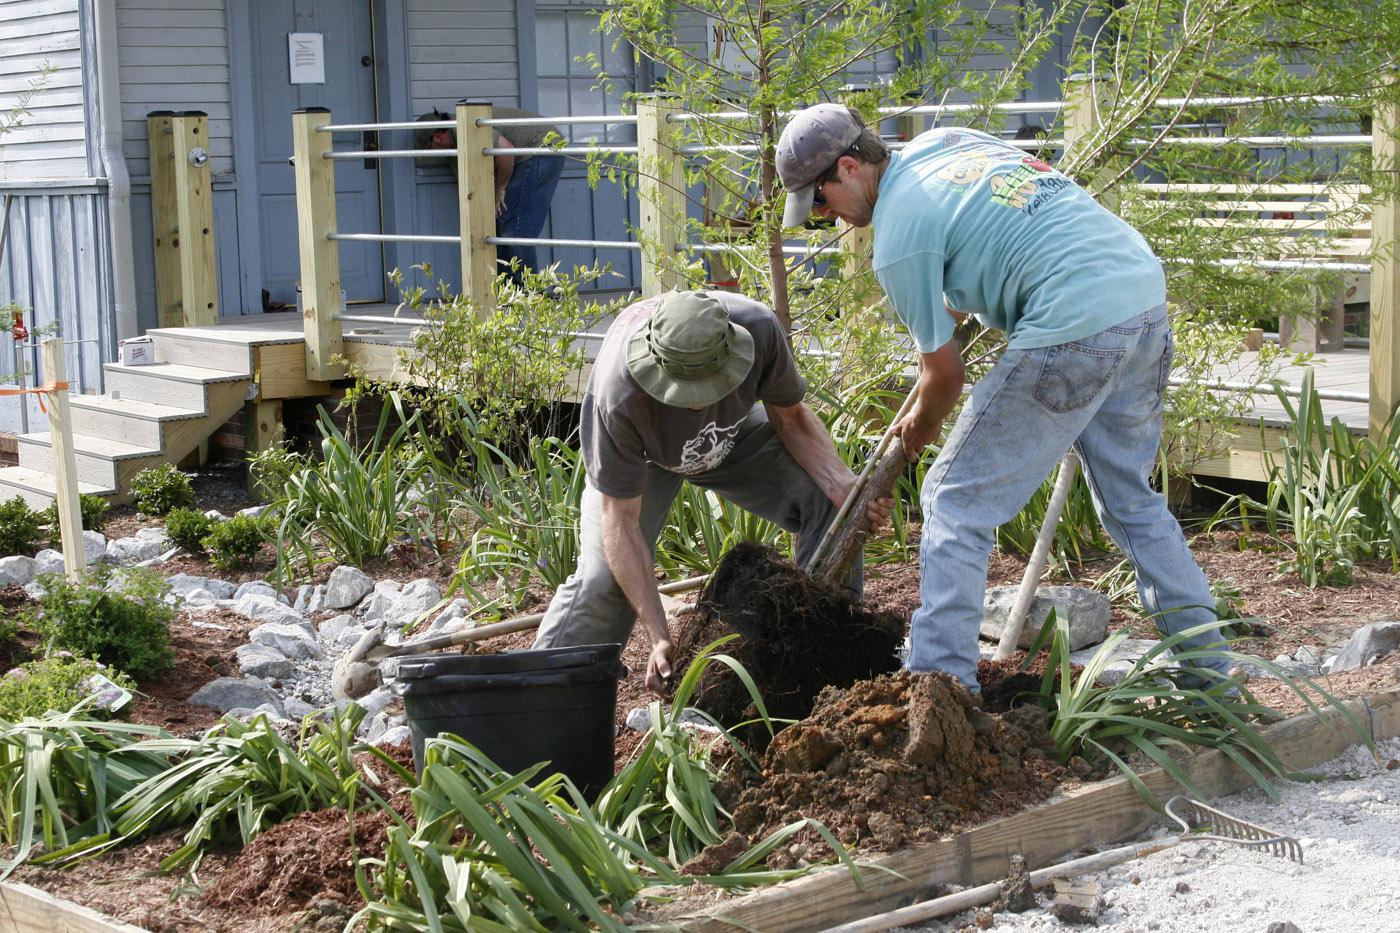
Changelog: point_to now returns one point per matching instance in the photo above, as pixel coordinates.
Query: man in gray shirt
(674, 397)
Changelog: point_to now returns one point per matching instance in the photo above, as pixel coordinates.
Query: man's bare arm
(630, 559)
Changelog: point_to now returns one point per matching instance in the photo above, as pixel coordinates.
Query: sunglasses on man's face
(818, 199)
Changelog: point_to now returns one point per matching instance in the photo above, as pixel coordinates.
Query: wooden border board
(1094, 815)
(26, 909)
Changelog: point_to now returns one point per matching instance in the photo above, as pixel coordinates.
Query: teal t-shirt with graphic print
(1007, 238)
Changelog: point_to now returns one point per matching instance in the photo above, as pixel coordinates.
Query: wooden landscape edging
(1093, 815)
(1090, 816)
(27, 909)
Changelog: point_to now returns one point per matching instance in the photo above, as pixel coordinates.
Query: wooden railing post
(1385, 269)
(194, 213)
(165, 223)
(320, 255)
(476, 203)
(65, 465)
(661, 193)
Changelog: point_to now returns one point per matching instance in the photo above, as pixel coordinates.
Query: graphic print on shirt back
(707, 449)
(1025, 186)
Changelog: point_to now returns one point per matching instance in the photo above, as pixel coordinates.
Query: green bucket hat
(688, 353)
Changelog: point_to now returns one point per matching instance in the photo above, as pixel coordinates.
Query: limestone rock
(260, 588)
(263, 662)
(17, 570)
(414, 601)
(1122, 658)
(94, 547)
(48, 561)
(291, 641)
(260, 608)
(1086, 610)
(346, 587)
(131, 550)
(1367, 645)
(228, 693)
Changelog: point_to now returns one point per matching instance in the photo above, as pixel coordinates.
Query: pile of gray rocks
(287, 662)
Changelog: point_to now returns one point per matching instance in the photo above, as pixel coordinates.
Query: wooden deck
(375, 338)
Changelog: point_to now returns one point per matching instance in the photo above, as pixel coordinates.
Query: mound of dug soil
(893, 761)
(797, 636)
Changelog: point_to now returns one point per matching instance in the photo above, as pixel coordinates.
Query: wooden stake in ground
(70, 516)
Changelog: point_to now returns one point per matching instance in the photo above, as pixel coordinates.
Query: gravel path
(1349, 827)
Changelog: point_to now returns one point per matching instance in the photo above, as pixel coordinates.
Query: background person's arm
(630, 559)
(504, 167)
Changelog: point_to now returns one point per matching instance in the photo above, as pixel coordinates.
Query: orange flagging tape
(40, 391)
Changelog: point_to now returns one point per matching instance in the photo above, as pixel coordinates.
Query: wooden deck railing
(662, 239)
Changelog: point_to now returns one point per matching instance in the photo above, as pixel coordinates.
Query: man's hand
(916, 431)
(659, 668)
(500, 202)
(877, 511)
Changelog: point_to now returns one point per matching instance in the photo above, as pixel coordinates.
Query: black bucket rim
(523, 661)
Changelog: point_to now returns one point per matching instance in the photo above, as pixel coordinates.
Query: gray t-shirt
(521, 136)
(623, 428)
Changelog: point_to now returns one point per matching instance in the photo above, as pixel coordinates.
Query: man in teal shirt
(966, 224)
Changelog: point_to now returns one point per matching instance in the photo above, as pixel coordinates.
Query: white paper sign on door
(306, 57)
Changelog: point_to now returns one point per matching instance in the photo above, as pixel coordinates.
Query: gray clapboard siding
(462, 48)
(173, 55)
(56, 266)
(51, 142)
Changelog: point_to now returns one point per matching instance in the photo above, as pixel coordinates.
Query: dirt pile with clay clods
(893, 761)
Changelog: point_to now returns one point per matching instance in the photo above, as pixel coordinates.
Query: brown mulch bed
(280, 868)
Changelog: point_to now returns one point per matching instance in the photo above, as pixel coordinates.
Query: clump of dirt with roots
(881, 757)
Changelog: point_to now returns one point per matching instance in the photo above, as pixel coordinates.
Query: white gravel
(1349, 882)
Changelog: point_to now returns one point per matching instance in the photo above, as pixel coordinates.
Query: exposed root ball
(797, 636)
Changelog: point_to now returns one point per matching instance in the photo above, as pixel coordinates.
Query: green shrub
(19, 528)
(92, 508)
(187, 528)
(161, 488)
(118, 617)
(58, 683)
(235, 542)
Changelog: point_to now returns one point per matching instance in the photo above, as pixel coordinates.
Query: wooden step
(38, 489)
(173, 384)
(100, 461)
(205, 352)
(125, 420)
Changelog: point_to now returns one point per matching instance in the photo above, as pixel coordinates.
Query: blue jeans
(1103, 395)
(528, 193)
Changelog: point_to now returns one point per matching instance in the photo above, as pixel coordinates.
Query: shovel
(356, 672)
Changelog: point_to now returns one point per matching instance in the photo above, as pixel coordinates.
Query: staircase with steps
(159, 413)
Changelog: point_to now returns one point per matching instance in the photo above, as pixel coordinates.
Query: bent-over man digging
(688, 386)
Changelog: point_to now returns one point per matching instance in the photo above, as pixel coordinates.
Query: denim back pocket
(1164, 368)
(1073, 374)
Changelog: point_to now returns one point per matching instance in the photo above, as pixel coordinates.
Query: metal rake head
(1198, 821)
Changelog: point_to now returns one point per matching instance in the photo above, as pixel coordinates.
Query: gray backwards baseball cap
(811, 143)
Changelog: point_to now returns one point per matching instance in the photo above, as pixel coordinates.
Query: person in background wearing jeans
(524, 184)
(964, 221)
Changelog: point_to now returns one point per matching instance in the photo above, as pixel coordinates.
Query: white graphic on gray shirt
(707, 449)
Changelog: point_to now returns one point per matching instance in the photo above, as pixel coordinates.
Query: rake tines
(1198, 821)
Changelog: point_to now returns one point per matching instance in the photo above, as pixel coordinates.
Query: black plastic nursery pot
(520, 707)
